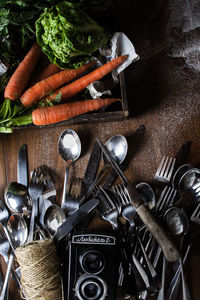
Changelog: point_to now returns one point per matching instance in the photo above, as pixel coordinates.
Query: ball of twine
(40, 270)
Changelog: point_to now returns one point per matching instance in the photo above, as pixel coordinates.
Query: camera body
(93, 264)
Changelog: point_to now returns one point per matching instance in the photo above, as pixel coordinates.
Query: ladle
(69, 148)
(17, 198)
(53, 218)
(178, 223)
(19, 232)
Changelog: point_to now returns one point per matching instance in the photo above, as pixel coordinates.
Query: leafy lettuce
(68, 36)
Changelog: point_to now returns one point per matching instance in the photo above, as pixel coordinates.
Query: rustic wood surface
(163, 95)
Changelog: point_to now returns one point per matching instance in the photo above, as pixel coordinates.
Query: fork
(48, 196)
(35, 190)
(165, 169)
(107, 209)
(72, 199)
(195, 217)
(127, 209)
(166, 199)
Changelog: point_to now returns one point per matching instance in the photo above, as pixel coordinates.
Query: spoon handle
(185, 289)
(7, 277)
(9, 238)
(65, 186)
(31, 227)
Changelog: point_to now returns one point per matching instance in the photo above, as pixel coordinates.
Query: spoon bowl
(177, 221)
(53, 218)
(147, 194)
(18, 229)
(117, 146)
(69, 146)
(17, 198)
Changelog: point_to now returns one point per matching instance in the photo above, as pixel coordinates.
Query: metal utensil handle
(65, 186)
(172, 292)
(169, 250)
(31, 227)
(95, 182)
(6, 281)
(161, 294)
(185, 289)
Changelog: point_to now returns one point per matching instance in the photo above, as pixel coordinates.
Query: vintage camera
(93, 263)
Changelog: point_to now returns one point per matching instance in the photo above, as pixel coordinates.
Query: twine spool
(40, 270)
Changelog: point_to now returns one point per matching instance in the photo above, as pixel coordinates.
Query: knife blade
(73, 220)
(92, 168)
(169, 250)
(22, 165)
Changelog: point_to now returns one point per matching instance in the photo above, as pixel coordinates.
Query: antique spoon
(69, 148)
(147, 194)
(53, 218)
(17, 198)
(18, 230)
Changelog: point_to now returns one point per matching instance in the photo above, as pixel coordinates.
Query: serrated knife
(22, 165)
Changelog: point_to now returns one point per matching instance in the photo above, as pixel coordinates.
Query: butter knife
(22, 165)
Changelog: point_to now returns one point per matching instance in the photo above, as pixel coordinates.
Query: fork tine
(163, 198)
(103, 202)
(196, 215)
(107, 198)
(121, 194)
(167, 198)
(160, 166)
(165, 169)
(33, 176)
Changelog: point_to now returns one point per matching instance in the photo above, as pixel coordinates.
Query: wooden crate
(115, 112)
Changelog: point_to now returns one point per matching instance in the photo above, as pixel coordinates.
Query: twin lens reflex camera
(92, 264)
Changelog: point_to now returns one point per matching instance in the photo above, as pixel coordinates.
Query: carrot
(22, 74)
(61, 112)
(49, 70)
(45, 86)
(75, 87)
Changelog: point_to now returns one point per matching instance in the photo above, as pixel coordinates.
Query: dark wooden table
(163, 94)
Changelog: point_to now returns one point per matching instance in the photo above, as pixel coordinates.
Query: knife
(74, 219)
(22, 166)
(92, 168)
(169, 250)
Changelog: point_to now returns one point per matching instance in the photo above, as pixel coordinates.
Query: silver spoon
(4, 216)
(117, 145)
(53, 218)
(17, 198)
(19, 232)
(69, 148)
(147, 194)
(178, 223)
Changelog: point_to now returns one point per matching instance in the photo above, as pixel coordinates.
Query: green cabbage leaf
(68, 36)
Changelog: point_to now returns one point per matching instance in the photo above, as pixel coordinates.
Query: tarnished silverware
(165, 169)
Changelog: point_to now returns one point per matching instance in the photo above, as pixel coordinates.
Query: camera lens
(92, 262)
(91, 290)
(90, 287)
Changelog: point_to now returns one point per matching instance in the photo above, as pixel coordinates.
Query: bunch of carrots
(54, 82)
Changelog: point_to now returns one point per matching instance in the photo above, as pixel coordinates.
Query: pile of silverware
(145, 222)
